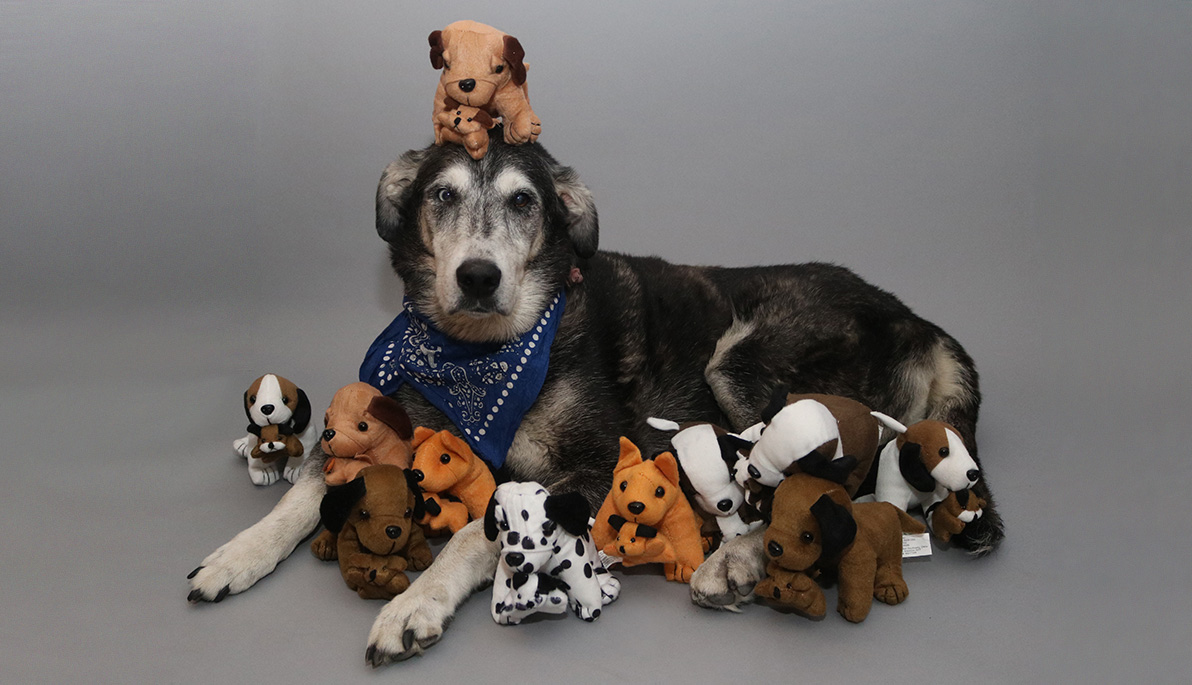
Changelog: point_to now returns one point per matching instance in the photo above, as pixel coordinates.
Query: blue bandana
(484, 388)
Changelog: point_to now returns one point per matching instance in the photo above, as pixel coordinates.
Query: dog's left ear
(484, 119)
(669, 467)
(436, 49)
(301, 416)
(415, 491)
(583, 228)
(910, 465)
(338, 502)
(394, 190)
(490, 520)
(730, 445)
(514, 55)
(777, 404)
(570, 510)
(390, 412)
(838, 529)
(814, 463)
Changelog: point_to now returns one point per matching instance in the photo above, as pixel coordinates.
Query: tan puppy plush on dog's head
(483, 68)
(467, 126)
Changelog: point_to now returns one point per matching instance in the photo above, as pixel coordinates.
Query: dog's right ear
(490, 519)
(838, 529)
(421, 435)
(730, 445)
(583, 227)
(390, 412)
(338, 502)
(777, 403)
(910, 465)
(436, 49)
(570, 510)
(394, 190)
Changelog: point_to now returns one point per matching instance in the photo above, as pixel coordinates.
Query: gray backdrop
(186, 203)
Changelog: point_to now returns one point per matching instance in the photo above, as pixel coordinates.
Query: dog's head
(362, 420)
(533, 524)
(382, 504)
(440, 459)
(483, 245)
(477, 61)
(272, 399)
(644, 490)
(931, 452)
(795, 432)
(811, 521)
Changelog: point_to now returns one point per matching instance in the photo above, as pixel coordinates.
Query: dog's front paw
(727, 578)
(229, 570)
(407, 626)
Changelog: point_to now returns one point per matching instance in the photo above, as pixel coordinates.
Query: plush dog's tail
(662, 424)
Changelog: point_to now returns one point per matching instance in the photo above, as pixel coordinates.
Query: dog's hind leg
(257, 550)
(726, 579)
(414, 620)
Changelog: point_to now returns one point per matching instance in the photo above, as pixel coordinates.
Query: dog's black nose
(973, 475)
(724, 504)
(467, 85)
(329, 434)
(774, 549)
(515, 559)
(635, 507)
(457, 120)
(418, 474)
(393, 532)
(478, 277)
(267, 409)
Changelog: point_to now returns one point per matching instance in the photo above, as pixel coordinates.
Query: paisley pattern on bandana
(484, 388)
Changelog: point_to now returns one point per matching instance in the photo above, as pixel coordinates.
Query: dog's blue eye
(521, 200)
(445, 195)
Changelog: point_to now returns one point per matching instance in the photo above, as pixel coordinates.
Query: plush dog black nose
(724, 504)
(478, 277)
(393, 532)
(329, 434)
(417, 474)
(467, 85)
(973, 475)
(635, 507)
(515, 559)
(774, 549)
(267, 409)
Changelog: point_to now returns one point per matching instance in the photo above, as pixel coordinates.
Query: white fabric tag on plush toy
(916, 545)
(607, 559)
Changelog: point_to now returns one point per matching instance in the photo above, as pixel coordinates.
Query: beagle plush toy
(278, 426)
(457, 483)
(482, 68)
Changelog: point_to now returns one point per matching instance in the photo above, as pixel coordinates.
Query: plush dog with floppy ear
(279, 426)
(815, 526)
(363, 428)
(457, 483)
(373, 520)
(467, 126)
(483, 68)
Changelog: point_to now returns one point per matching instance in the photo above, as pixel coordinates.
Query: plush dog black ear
(835, 470)
(301, 416)
(393, 192)
(570, 510)
(338, 502)
(416, 492)
(910, 465)
(252, 425)
(838, 529)
(730, 445)
(962, 498)
(390, 412)
(644, 531)
(583, 226)
(777, 402)
(436, 49)
(616, 521)
(490, 520)
(514, 55)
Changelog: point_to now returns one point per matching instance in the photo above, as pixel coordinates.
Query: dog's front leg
(416, 619)
(726, 579)
(257, 550)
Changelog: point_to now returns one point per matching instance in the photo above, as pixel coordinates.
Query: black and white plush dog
(483, 246)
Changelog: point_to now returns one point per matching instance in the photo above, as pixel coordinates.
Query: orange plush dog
(445, 467)
(467, 126)
(646, 493)
(483, 67)
(363, 427)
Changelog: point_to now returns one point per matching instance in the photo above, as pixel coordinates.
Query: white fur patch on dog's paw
(230, 570)
(727, 578)
(408, 625)
(243, 446)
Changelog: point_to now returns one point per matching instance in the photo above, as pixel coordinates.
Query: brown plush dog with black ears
(483, 67)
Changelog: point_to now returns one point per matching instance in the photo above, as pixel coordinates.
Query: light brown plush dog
(646, 492)
(373, 518)
(362, 428)
(484, 68)
(446, 469)
(815, 526)
(950, 516)
(639, 540)
(467, 126)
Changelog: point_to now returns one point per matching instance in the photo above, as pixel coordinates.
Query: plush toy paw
(261, 473)
(244, 445)
(324, 546)
(680, 573)
(522, 129)
(891, 593)
(293, 468)
(854, 612)
(610, 587)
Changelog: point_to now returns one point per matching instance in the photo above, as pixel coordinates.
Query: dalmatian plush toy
(547, 561)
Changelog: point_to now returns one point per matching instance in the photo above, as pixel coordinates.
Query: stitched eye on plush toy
(624, 484)
(252, 400)
(285, 400)
(499, 69)
(659, 492)
(807, 537)
(409, 512)
(520, 200)
(444, 458)
(943, 451)
(445, 195)
(364, 514)
(362, 426)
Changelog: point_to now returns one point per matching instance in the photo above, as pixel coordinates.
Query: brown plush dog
(816, 526)
(646, 492)
(950, 516)
(467, 126)
(446, 469)
(484, 68)
(373, 518)
(363, 427)
(639, 540)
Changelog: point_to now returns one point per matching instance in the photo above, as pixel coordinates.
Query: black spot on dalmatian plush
(525, 515)
(543, 543)
(527, 543)
(587, 570)
(513, 537)
(566, 564)
(579, 547)
(556, 549)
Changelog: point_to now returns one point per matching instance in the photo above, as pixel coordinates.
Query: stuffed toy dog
(483, 68)
(547, 561)
(647, 492)
(373, 519)
(638, 540)
(457, 483)
(278, 426)
(467, 126)
(815, 526)
(363, 428)
(929, 466)
(707, 455)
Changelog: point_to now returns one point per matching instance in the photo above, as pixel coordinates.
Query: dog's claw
(407, 639)
(223, 592)
(195, 596)
(194, 573)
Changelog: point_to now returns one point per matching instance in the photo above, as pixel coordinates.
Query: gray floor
(187, 202)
